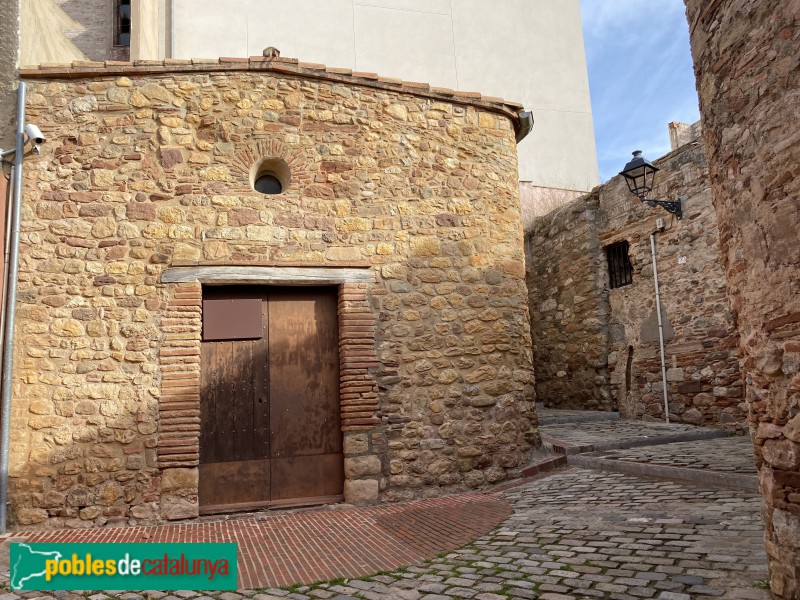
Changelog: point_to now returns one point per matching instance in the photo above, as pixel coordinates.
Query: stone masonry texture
(569, 308)
(596, 347)
(746, 55)
(149, 166)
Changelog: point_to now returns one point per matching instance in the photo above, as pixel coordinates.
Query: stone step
(581, 438)
(734, 481)
(725, 462)
(557, 417)
(543, 465)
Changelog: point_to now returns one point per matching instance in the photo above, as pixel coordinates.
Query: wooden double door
(269, 398)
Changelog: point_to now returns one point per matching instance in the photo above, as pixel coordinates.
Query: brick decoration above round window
(270, 176)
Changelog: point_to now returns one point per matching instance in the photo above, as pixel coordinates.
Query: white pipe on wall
(660, 327)
(11, 306)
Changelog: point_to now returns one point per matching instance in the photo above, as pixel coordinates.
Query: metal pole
(660, 327)
(11, 307)
(7, 251)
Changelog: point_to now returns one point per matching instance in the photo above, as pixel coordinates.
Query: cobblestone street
(570, 534)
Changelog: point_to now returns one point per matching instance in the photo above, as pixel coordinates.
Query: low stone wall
(149, 167)
(601, 351)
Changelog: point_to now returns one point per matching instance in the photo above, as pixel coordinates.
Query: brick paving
(320, 544)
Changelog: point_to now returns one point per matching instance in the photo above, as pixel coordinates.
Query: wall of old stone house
(746, 56)
(569, 307)
(703, 376)
(612, 334)
(150, 168)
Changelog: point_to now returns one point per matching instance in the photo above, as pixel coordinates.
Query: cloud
(640, 74)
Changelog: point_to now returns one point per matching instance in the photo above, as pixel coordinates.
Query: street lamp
(640, 175)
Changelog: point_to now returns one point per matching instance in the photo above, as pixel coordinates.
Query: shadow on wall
(539, 201)
(44, 36)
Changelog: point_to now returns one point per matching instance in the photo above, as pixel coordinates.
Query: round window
(270, 176)
(268, 183)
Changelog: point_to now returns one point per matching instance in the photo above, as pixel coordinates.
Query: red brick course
(179, 357)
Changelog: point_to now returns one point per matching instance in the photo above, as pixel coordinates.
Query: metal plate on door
(232, 319)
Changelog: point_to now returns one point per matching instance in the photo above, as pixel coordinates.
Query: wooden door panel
(242, 400)
(234, 483)
(270, 429)
(234, 389)
(304, 477)
(304, 372)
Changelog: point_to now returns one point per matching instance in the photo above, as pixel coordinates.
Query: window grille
(122, 25)
(620, 270)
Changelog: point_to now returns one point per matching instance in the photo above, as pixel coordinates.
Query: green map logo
(122, 566)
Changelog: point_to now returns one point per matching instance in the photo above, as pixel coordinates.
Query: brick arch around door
(204, 466)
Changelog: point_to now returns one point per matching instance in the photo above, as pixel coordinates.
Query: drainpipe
(7, 251)
(525, 125)
(11, 304)
(660, 327)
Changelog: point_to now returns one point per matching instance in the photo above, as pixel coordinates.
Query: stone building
(393, 206)
(746, 54)
(592, 301)
(681, 134)
(529, 50)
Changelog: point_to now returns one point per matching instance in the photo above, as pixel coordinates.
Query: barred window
(122, 24)
(620, 270)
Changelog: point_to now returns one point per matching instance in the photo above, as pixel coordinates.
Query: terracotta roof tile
(460, 94)
(88, 64)
(442, 91)
(279, 65)
(339, 71)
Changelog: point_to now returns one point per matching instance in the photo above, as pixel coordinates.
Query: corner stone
(361, 492)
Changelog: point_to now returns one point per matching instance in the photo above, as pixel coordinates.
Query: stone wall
(746, 55)
(681, 134)
(596, 347)
(149, 167)
(569, 307)
(703, 376)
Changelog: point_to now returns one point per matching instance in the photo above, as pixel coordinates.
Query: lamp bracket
(674, 207)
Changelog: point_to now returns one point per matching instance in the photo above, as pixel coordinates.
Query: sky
(640, 76)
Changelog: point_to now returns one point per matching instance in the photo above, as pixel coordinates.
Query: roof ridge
(278, 64)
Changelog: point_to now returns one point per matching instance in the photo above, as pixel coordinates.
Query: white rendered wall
(530, 51)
